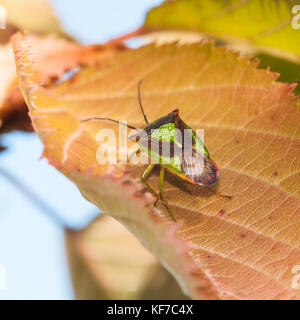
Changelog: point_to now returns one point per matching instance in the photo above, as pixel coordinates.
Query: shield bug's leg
(137, 153)
(161, 191)
(144, 177)
(219, 194)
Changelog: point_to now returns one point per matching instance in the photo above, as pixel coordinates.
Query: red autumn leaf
(55, 56)
(246, 248)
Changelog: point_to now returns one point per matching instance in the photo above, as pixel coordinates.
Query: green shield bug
(195, 166)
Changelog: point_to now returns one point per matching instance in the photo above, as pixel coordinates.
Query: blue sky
(92, 21)
(32, 256)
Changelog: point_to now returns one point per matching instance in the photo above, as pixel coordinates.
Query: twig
(138, 32)
(33, 197)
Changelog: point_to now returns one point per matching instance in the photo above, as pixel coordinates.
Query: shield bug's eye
(135, 137)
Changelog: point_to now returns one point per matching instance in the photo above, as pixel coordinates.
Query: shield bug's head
(175, 113)
(146, 131)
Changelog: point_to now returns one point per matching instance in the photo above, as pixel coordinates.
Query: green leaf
(265, 24)
(289, 71)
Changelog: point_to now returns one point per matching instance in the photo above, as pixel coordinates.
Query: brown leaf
(55, 56)
(13, 110)
(104, 265)
(246, 248)
(7, 33)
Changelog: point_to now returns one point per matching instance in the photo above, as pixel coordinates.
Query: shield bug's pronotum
(186, 154)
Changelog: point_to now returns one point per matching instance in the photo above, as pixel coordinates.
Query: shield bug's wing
(196, 164)
(200, 169)
(190, 137)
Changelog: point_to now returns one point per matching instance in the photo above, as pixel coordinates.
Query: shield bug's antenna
(108, 119)
(140, 101)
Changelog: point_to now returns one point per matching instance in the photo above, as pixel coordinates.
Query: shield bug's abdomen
(200, 169)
